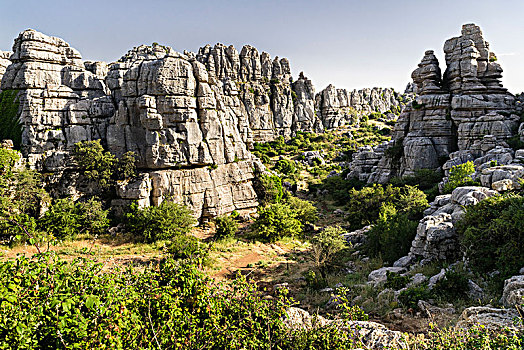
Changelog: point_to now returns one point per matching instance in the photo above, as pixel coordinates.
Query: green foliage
(416, 105)
(276, 221)
(126, 166)
(515, 142)
(325, 246)
(477, 337)
(168, 305)
(409, 297)
(65, 219)
(304, 210)
(10, 126)
(189, 248)
(269, 189)
(349, 312)
(96, 164)
(364, 205)
(460, 175)
(8, 159)
(396, 281)
(166, 221)
(391, 235)
(492, 234)
(453, 286)
(285, 166)
(226, 226)
(338, 188)
(425, 179)
(493, 58)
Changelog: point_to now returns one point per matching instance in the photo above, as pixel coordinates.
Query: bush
(189, 248)
(276, 221)
(392, 234)
(453, 286)
(364, 205)
(269, 189)
(492, 234)
(395, 280)
(159, 223)
(95, 163)
(460, 175)
(226, 226)
(10, 126)
(325, 245)
(305, 211)
(409, 298)
(65, 219)
(285, 166)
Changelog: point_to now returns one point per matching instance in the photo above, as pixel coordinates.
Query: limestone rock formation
(452, 112)
(373, 335)
(339, 107)
(190, 137)
(270, 101)
(4, 62)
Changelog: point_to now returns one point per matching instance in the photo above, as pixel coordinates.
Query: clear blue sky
(352, 44)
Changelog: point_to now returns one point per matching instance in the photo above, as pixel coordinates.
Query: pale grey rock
(313, 158)
(433, 310)
(404, 261)
(433, 280)
(417, 280)
(489, 317)
(357, 237)
(4, 62)
(513, 293)
(380, 275)
(475, 292)
(373, 335)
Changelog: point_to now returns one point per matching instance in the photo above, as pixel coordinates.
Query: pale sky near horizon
(351, 44)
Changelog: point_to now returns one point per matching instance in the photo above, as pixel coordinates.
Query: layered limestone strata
(339, 107)
(454, 111)
(190, 137)
(4, 62)
(272, 103)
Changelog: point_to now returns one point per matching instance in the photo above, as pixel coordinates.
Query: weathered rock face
(61, 102)
(189, 136)
(4, 62)
(453, 112)
(271, 103)
(339, 107)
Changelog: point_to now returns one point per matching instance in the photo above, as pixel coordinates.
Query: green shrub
(325, 246)
(460, 175)
(305, 211)
(492, 234)
(285, 166)
(269, 189)
(392, 234)
(409, 298)
(226, 226)
(396, 281)
(159, 223)
(126, 166)
(189, 248)
(96, 164)
(65, 219)
(8, 159)
(396, 151)
(453, 286)
(364, 205)
(276, 221)
(425, 179)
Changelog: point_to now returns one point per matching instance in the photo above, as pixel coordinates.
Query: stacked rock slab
(339, 107)
(453, 112)
(188, 134)
(189, 137)
(61, 102)
(4, 62)
(273, 105)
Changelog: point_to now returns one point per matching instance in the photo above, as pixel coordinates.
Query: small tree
(460, 175)
(326, 245)
(305, 211)
(226, 226)
(276, 221)
(96, 164)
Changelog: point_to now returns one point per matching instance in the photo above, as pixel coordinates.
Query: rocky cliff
(453, 112)
(189, 118)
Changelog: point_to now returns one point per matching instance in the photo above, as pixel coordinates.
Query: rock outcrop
(271, 102)
(189, 136)
(452, 112)
(4, 62)
(372, 335)
(339, 107)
